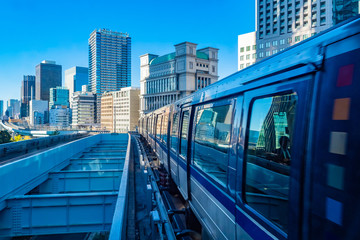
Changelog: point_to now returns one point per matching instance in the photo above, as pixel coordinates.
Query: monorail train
(272, 151)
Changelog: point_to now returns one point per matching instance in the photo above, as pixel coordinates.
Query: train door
(271, 162)
(182, 166)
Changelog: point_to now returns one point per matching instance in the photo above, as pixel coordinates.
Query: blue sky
(32, 31)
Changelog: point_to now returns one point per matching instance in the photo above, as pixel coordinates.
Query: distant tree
(4, 137)
(17, 138)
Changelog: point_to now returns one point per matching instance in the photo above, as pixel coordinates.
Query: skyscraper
(27, 93)
(1, 109)
(109, 62)
(48, 75)
(75, 77)
(59, 96)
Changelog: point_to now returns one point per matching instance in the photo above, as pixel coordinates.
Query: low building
(59, 116)
(165, 79)
(39, 112)
(83, 105)
(120, 110)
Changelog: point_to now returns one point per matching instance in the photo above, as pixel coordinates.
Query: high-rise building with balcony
(59, 96)
(75, 78)
(283, 23)
(165, 79)
(48, 75)
(27, 93)
(109, 62)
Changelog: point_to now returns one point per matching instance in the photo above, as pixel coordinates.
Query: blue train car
(272, 151)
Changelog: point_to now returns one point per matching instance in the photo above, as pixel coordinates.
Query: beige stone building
(120, 110)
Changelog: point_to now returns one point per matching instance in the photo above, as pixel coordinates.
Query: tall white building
(283, 23)
(120, 110)
(246, 50)
(165, 79)
(83, 105)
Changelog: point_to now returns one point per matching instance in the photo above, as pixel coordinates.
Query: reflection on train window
(184, 131)
(164, 128)
(269, 156)
(158, 127)
(211, 142)
(174, 132)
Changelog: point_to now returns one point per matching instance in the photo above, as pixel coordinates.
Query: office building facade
(83, 105)
(13, 108)
(283, 23)
(38, 112)
(59, 96)
(246, 50)
(109, 62)
(120, 110)
(27, 93)
(165, 79)
(48, 75)
(75, 78)
(59, 116)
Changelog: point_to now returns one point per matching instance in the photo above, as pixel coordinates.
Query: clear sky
(32, 31)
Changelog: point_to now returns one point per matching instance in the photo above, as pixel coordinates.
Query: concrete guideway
(72, 188)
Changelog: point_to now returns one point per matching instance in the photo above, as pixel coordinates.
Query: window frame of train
(176, 134)
(183, 110)
(213, 105)
(301, 86)
(158, 127)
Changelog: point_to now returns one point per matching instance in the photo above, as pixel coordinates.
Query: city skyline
(66, 41)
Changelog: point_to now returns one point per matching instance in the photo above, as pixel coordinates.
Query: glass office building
(109, 62)
(48, 75)
(59, 96)
(27, 93)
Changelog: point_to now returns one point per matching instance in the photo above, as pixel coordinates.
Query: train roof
(308, 55)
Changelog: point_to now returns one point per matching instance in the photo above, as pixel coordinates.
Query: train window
(211, 141)
(184, 132)
(158, 127)
(269, 156)
(174, 132)
(164, 128)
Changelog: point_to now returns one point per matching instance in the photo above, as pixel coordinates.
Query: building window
(274, 51)
(289, 40)
(267, 53)
(242, 49)
(191, 65)
(261, 46)
(247, 56)
(213, 68)
(254, 56)
(248, 48)
(242, 58)
(297, 38)
(267, 44)
(241, 66)
(268, 157)
(275, 43)
(282, 41)
(254, 47)
(211, 141)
